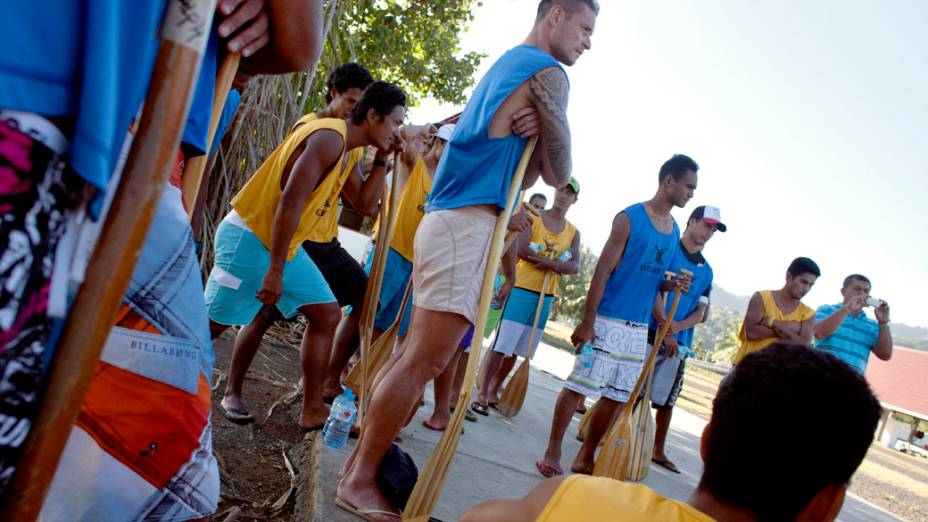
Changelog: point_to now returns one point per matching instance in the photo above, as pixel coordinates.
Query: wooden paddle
(513, 396)
(380, 351)
(642, 421)
(616, 455)
(372, 292)
(194, 180)
(428, 488)
(151, 158)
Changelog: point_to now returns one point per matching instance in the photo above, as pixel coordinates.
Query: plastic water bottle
(586, 356)
(566, 255)
(537, 247)
(341, 417)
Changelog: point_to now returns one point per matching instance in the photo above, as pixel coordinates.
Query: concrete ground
(496, 455)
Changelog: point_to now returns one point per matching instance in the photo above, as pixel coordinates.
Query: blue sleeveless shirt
(632, 287)
(700, 287)
(476, 169)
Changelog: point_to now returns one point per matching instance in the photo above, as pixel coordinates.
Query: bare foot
(582, 467)
(436, 425)
(331, 389)
(365, 496)
(313, 418)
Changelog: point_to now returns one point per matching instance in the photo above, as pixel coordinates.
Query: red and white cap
(709, 214)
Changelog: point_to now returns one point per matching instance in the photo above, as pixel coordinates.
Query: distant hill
(903, 334)
(726, 299)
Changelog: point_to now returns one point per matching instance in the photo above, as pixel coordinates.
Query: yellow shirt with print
(411, 209)
(553, 245)
(257, 202)
(582, 497)
(801, 313)
(327, 229)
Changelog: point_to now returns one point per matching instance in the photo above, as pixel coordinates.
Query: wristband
(380, 163)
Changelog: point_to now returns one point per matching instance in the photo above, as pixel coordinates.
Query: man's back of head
(787, 424)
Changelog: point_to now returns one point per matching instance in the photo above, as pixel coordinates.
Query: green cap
(575, 185)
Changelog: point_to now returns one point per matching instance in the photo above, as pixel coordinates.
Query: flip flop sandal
(364, 514)
(426, 424)
(468, 415)
(666, 464)
(238, 416)
(547, 470)
(476, 407)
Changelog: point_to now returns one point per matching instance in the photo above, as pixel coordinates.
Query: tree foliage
(571, 290)
(414, 43)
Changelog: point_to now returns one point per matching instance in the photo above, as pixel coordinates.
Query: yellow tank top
(801, 313)
(327, 228)
(554, 244)
(582, 497)
(257, 202)
(411, 209)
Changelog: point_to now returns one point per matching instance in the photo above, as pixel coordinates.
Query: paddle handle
(541, 303)
(374, 283)
(613, 434)
(195, 169)
(428, 488)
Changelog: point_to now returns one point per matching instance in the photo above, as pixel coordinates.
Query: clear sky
(809, 121)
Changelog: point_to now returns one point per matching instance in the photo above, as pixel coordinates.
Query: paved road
(496, 455)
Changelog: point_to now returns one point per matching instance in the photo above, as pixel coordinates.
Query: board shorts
(619, 350)
(668, 380)
(38, 195)
(241, 261)
(451, 250)
(515, 327)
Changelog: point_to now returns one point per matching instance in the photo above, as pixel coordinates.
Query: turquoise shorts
(241, 262)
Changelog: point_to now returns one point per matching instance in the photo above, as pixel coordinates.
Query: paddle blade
(378, 355)
(616, 452)
(513, 397)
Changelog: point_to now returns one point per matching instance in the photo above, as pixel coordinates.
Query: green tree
(414, 43)
(571, 290)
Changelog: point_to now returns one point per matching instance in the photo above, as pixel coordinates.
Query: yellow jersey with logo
(553, 245)
(327, 229)
(411, 209)
(582, 497)
(801, 313)
(257, 202)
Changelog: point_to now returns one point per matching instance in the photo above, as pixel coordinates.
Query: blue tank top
(632, 287)
(476, 169)
(701, 287)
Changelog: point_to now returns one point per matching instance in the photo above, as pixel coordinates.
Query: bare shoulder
(325, 144)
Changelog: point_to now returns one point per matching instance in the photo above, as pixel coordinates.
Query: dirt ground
(255, 477)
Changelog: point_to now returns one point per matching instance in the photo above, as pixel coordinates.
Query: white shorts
(619, 350)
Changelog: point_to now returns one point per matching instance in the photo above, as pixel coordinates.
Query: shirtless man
(470, 188)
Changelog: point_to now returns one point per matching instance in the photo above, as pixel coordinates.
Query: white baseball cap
(444, 132)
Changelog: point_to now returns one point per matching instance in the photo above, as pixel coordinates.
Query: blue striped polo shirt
(853, 340)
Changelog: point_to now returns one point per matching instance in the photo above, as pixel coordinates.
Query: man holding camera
(846, 331)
